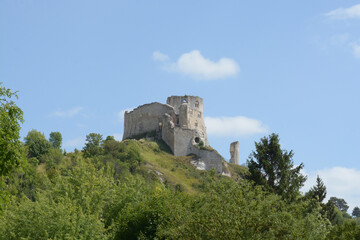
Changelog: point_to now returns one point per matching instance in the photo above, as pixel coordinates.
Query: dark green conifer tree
(317, 192)
(273, 168)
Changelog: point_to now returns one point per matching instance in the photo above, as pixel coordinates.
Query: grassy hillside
(177, 172)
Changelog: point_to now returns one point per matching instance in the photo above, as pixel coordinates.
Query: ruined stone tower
(180, 123)
(188, 120)
(234, 152)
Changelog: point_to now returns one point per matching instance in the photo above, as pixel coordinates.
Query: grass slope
(176, 171)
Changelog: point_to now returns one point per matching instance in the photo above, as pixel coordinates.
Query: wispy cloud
(356, 49)
(340, 182)
(68, 113)
(158, 56)
(234, 126)
(345, 13)
(195, 65)
(339, 39)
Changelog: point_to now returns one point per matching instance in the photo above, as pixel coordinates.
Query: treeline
(108, 196)
(102, 192)
(106, 191)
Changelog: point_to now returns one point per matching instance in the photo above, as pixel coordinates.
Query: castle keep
(180, 123)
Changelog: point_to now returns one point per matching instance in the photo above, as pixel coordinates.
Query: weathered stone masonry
(180, 123)
(234, 152)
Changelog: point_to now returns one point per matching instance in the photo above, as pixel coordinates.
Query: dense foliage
(11, 151)
(114, 195)
(10, 118)
(117, 194)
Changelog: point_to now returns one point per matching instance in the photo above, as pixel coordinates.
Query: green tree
(356, 212)
(93, 144)
(272, 167)
(37, 144)
(348, 230)
(10, 118)
(329, 211)
(229, 210)
(110, 138)
(69, 206)
(317, 192)
(55, 139)
(340, 203)
(49, 218)
(11, 151)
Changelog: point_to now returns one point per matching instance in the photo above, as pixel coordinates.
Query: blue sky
(289, 67)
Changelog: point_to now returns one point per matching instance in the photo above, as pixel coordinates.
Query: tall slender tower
(234, 152)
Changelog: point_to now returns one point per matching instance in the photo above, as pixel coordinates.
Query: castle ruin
(234, 152)
(180, 124)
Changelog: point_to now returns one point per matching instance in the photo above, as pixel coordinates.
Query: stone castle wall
(183, 141)
(145, 118)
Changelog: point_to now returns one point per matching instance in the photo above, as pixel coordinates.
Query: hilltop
(179, 172)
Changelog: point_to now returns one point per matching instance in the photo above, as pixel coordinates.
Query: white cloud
(234, 126)
(196, 66)
(69, 113)
(158, 56)
(345, 13)
(340, 182)
(356, 49)
(75, 143)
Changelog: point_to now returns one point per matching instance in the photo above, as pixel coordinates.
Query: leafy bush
(235, 211)
(47, 218)
(349, 230)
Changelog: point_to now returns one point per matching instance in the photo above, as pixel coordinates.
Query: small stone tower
(234, 152)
